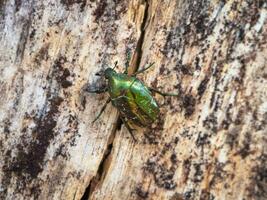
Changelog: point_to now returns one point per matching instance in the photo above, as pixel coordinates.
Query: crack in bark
(138, 51)
(100, 175)
(102, 166)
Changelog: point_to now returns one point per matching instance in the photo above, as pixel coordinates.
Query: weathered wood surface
(209, 143)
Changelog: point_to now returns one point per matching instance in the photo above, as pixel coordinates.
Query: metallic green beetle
(131, 97)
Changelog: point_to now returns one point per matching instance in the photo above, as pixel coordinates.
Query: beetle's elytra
(131, 97)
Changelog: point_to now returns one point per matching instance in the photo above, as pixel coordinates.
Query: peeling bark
(209, 143)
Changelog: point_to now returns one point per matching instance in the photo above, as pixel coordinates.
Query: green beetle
(131, 97)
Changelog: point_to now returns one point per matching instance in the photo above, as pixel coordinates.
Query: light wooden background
(208, 143)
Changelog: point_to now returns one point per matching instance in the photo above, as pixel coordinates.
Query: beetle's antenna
(102, 73)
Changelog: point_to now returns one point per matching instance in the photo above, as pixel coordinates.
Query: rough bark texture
(208, 143)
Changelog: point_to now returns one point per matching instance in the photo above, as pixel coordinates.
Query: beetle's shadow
(97, 84)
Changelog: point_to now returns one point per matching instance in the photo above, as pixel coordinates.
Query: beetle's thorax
(117, 83)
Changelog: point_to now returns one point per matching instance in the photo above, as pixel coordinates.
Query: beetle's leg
(127, 63)
(162, 93)
(102, 110)
(142, 70)
(97, 91)
(128, 127)
(115, 64)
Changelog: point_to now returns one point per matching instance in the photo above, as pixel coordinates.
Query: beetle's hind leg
(102, 110)
(162, 93)
(128, 127)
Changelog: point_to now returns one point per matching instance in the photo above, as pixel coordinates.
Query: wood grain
(208, 143)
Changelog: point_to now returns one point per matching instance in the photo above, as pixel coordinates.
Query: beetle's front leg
(102, 110)
(97, 91)
(128, 127)
(162, 93)
(127, 63)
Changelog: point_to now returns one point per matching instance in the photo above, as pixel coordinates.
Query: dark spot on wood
(71, 134)
(186, 133)
(41, 55)
(244, 151)
(240, 116)
(189, 195)
(176, 140)
(62, 74)
(184, 69)
(261, 3)
(27, 160)
(173, 158)
(7, 172)
(163, 176)
(211, 123)
(225, 124)
(29, 163)
(186, 169)
(202, 87)
(64, 82)
(214, 92)
(32, 34)
(253, 13)
(188, 103)
(242, 72)
(198, 175)
(200, 22)
(196, 62)
(83, 102)
(232, 136)
(69, 3)
(154, 83)
(99, 11)
(164, 70)
(17, 5)
(228, 120)
(24, 129)
(152, 137)
(202, 139)
(2, 5)
(153, 134)
(7, 124)
(219, 173)
(140, 192)
(257, 188)
(206, 195)
(241, 34)
(163, 166)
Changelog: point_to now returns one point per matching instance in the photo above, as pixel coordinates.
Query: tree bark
(208, 143)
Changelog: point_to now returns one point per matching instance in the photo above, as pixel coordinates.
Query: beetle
(132, 98)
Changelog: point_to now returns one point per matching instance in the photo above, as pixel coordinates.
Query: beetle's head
(109, 72)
